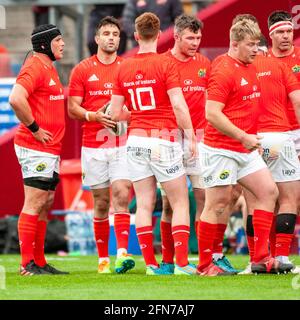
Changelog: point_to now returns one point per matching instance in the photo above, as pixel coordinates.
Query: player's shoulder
(33, 66)
(33, 63)
(297, 51)
(126, 64)
(166, 56)
(119, 60)
(272, 61)
(85, 64)
(265, 64)
(167, 53)
(202, 58)
(83, 68)
(224, 64)
(166, 63)
(261, 59)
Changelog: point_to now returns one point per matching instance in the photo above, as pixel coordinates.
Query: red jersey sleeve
(290, 80)
(219, 86)
(76, 84)
(117, 88)
(29, 79)
(172, 77)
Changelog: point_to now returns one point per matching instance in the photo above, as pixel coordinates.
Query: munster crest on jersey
(202, 73)
(296, 68)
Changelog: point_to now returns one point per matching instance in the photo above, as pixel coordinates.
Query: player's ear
(176, 36)
(136, 36)
(96, 38)
(235, 45)
(159, 34)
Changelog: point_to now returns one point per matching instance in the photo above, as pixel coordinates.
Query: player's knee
(219, 210)
(236, 193)
(49, 203)
(146, 205)
(167, 209)
(167, 213)
(35, 204)
(219, 206)
(273, 192)
(120, 197)
(101, 205)
(289, 203)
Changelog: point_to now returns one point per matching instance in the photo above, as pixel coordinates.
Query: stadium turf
(84, 283)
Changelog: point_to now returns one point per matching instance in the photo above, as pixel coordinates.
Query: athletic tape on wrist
(34, 127)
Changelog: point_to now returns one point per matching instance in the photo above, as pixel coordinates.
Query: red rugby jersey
(193, 76)
(276, 82)
(46, 99)
(93, 81)
(144, 80)
(236, 85)
(293, 62)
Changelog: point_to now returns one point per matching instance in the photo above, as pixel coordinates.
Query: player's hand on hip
(105, 119)
(251, 141)
(43, 136)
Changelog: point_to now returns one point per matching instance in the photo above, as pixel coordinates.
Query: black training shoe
(31, 269)
(270, 265)
(51, 270)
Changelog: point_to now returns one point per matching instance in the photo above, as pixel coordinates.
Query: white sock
(283, 259)
(121, 251)
(217, 256)
(103, 259)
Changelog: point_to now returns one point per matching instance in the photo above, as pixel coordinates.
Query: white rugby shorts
(148, 157)
(280, 155)
(193, 168)
(222, 167)
(36, 163)
(296, 137)
(103, 166)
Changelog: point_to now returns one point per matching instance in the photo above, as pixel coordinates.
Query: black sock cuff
(249, 226)
(285, 223)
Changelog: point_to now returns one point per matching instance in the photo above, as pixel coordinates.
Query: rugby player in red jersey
(149, 83)
(38, 101)
(103, 155)
(230, 154)
(278, 87)
(193, 70)
(281, 33)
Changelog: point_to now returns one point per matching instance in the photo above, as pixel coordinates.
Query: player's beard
(286, 47)
(110, 49)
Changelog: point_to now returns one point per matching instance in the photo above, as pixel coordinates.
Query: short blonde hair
(245, 27)
(244, 16)
(147, 26)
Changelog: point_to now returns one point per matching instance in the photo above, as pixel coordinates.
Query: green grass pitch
(84, 283)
